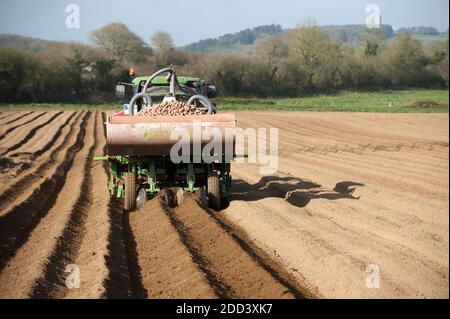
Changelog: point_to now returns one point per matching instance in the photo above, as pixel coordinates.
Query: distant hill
(242, 41)
(357, 32)
(27, 44)
(425, 34)
(235, 42)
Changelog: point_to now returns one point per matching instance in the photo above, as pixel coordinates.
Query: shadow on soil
(296, 192)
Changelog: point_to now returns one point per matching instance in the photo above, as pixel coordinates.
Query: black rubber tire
(141, 198)
(130, 191)
(225, 201)
(203, 195)
(168, 196)
(214, 190)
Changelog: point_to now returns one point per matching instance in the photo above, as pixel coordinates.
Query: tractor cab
(159, 88)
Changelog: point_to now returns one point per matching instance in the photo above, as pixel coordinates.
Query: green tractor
(139, 147)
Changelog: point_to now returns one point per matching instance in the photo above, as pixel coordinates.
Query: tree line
(420, 30)
(302, 61)
(231, 41)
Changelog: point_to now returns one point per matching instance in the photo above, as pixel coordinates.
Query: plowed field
(351, 190)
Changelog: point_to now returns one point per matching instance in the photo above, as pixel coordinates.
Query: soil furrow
(121, 263)
(13, 191)
(30, 134)
(354, 171)
(384, 208)
(170, 267)
(16, 118)
(91, 255)
(374, 191)
(350, 190)
(16, 225)
(27, 266)
(12, 128)
(239, 274)
(4, 116)
(124, 279)
(52, 283)
(274, 269)
(54, 138)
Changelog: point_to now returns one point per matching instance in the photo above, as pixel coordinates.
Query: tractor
(141, 164)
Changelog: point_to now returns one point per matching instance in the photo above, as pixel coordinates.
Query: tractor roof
(161, 80)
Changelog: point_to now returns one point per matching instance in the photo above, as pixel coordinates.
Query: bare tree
(121, 43)
(405, 60)
(437, 53)
(162, 40)
(317, 54)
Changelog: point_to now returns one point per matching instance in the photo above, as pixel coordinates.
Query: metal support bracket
(151, 176)
(119, 191)
(190, 179)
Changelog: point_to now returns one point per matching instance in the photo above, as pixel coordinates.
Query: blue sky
(192, 20)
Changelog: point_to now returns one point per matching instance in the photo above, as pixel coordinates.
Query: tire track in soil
(12, 128)
(52, 283)
(30, 135)
(14, 191)
(16, 225)
(123, 280)
(237, 273)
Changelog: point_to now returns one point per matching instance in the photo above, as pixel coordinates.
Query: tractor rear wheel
(130, 191)
(214, 190)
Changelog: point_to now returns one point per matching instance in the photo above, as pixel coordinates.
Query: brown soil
(231, 269)
(351, 190)
(167, 268)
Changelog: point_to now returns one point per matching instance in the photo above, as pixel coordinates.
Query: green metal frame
(162, 80)
(154, 166)
(190, 173)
